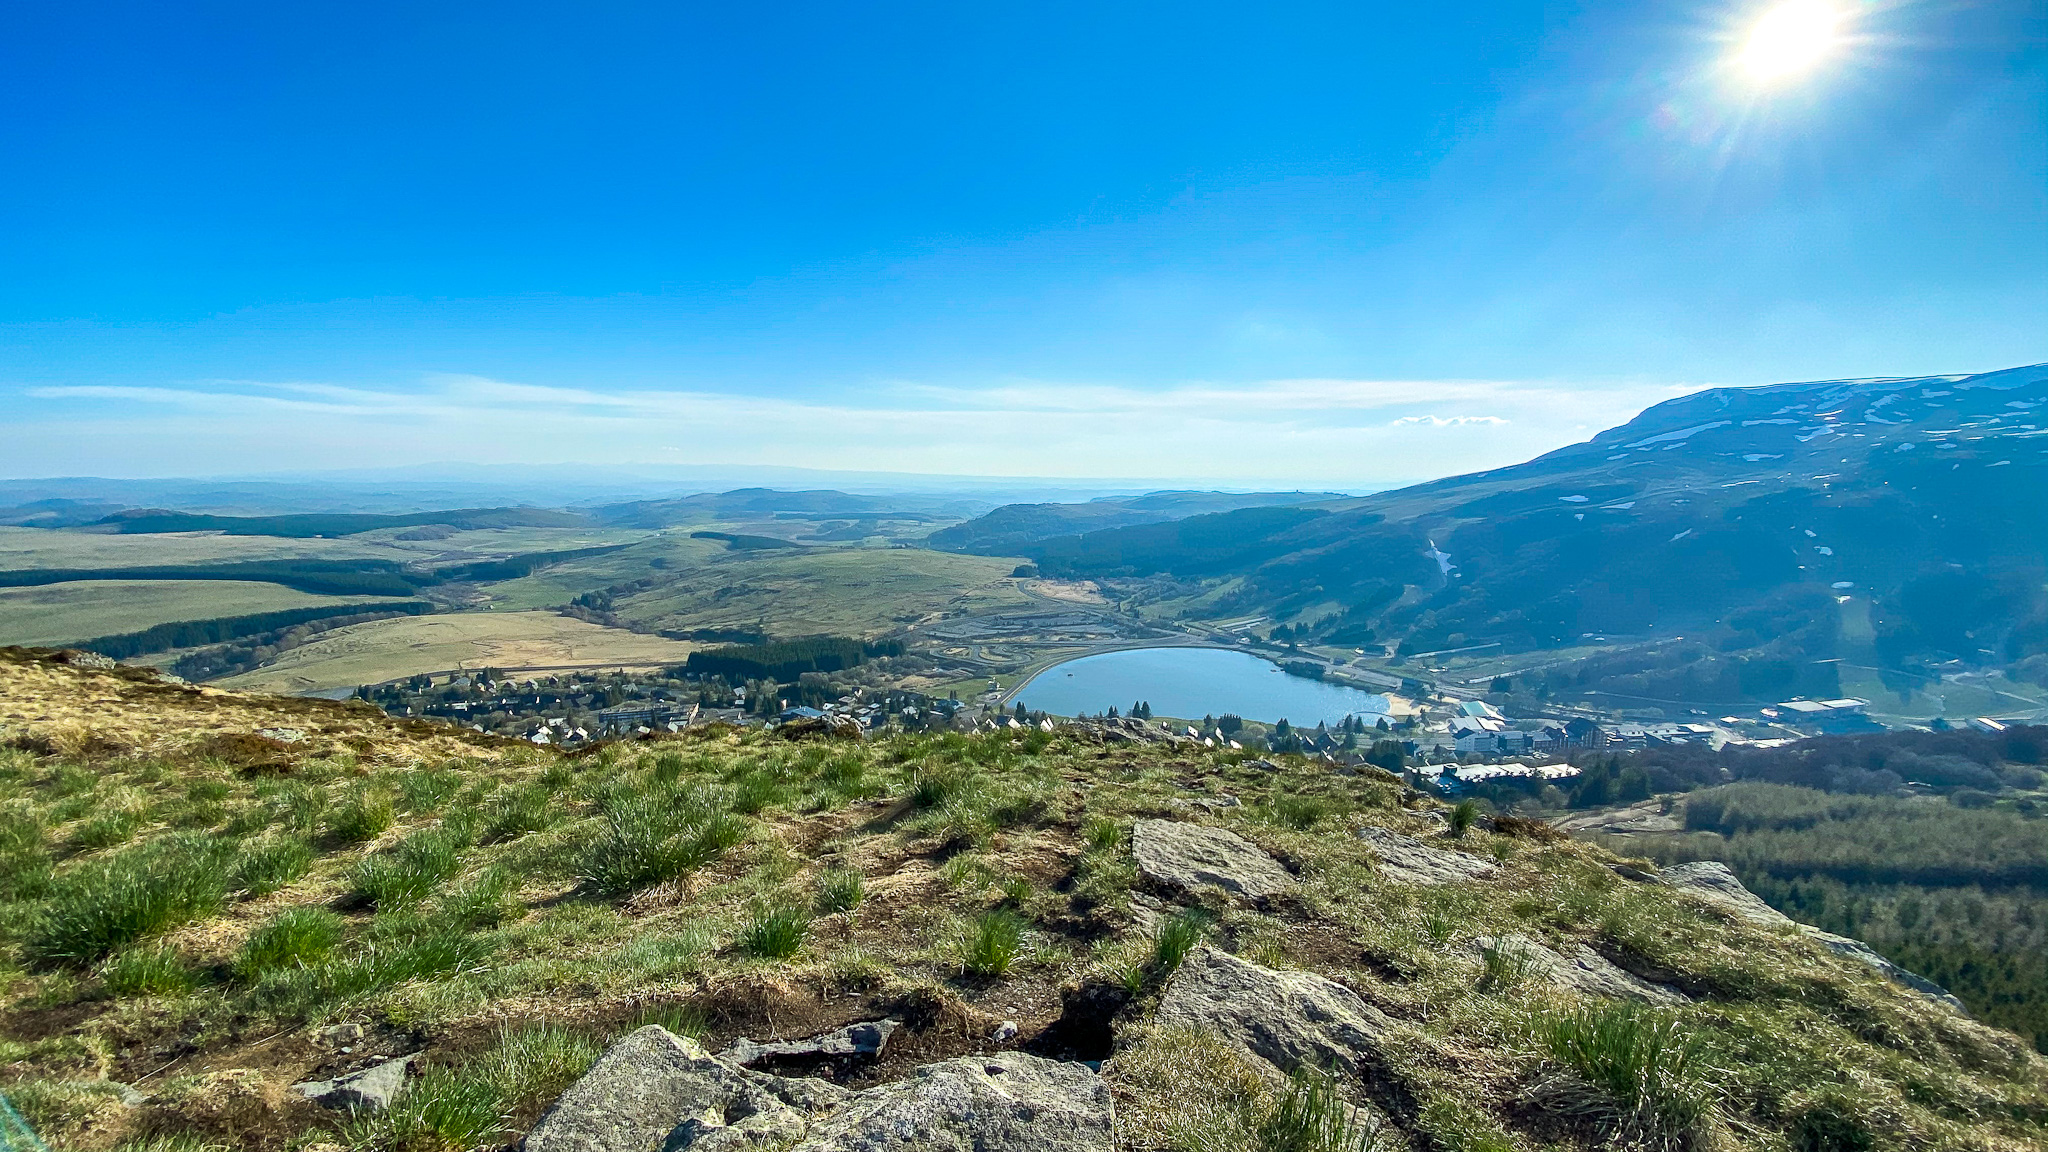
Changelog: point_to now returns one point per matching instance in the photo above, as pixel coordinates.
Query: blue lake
(1192, 683)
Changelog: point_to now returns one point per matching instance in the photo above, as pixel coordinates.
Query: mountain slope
(1748, 513)
(1007, 529)
(206, 898)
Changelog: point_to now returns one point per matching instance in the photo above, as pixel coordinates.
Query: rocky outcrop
(1285, 1018)
(1712, 881)
(1578, 968)
(370, 1090)
(1191, 856)
(1410, 861)
(1007, 1102)
(654, 1090)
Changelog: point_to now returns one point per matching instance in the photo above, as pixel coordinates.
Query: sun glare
(1790, 39)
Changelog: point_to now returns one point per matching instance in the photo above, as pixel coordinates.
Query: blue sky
(1334, 244)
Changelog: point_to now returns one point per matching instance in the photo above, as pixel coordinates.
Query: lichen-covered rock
(1285, 1018)
(1191, 856)
(1007, 1102)
(1410, 861)
(1579, 968)
(656, 1090)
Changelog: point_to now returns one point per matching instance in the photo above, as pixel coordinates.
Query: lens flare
(1790, 39)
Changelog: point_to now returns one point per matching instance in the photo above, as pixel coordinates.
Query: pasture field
(560, 583)
(844, 591)
(57, 614)
(386, 649)
(71, 548)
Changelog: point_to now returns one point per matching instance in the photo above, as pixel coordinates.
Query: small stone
(866, 1038)
(370, 1090)
(1004, 1033)
(1005, 1102)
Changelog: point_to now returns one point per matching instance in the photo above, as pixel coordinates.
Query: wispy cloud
(1323, 431)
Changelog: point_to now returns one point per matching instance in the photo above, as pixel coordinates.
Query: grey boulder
(370, 1090)
(1285, 1018)
(656, 1090)
(1007, 1102)
(1859, 951)
(1191, 856)
(1580, 969)
(1410, 861)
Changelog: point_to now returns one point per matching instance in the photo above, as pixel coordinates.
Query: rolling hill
(1898, 519)
(1006, 529)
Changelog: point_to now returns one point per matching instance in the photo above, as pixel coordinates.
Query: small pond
(1192, 683)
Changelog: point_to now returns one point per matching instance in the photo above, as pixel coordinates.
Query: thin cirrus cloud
(1311, 431)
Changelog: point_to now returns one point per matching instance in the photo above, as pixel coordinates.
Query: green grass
(651, 837)
(1646, 1070)
(776, 931)
(1504, 964)
(1313, 1116)
(264, 866)
(840, 890)
(1294, 810)
(294, 938)
(991, 943)
(365, 815)
(104, 905)
(410, 869)
(148, 970)
(1463, 814)
(1174, 938)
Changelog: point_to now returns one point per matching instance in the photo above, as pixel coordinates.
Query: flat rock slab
(1007, 1102)
(863, 1039)
(1190, 856)
(656, 1090)
(370, 1090)
(1285, 1018)
(1580, 969)
(1410, 861)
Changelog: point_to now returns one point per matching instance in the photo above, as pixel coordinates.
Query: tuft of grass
(101, 906)
(992, 942)
(1644, 1066)
(1174, 938)
(649, 838)
(365, 815)
(754, 791)
(409, 869)
(935, 785)
(148, 970)
(840, 890)
(109, 828)
(263, 866)
(294, 938)
(1463, 814)
(445, 1110)
(486, 900)
(1294, 810)
(1506, 964)
(1313, 1116)
(776, 932)
(420, 952)
(513, 814)
(1105, 835)
(425, 790)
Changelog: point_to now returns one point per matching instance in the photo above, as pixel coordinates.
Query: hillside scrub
(508, 948)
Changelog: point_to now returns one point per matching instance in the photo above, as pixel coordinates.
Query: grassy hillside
(192, 908)
(304, 525)
(1003, 531)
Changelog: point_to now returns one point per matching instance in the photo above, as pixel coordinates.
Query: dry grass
(1016, 844)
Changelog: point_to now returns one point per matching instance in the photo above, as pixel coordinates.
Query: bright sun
(1790, 39)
